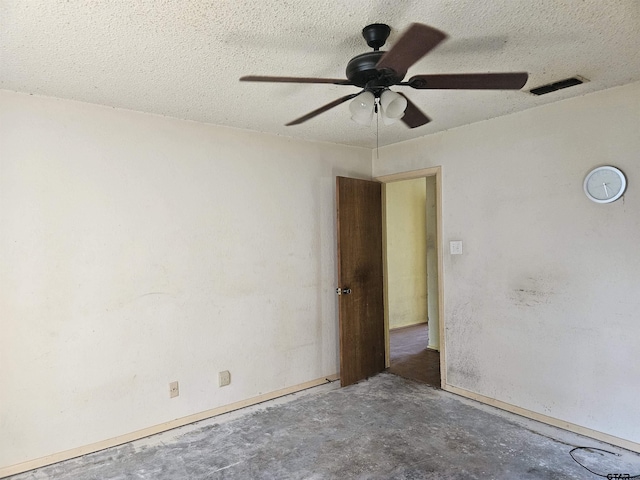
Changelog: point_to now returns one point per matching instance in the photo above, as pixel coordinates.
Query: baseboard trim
(407, 326)
(163, 427)
(572, 427)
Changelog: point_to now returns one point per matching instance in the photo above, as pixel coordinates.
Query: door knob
(343, 291)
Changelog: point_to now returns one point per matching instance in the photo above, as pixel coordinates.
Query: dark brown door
(361, 311)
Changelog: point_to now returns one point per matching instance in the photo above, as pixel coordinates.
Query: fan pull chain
(377, 130)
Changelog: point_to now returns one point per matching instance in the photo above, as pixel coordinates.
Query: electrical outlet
(224, 378)
(174, 389)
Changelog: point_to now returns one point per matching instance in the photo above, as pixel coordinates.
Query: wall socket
(224, 378)
(174, 389)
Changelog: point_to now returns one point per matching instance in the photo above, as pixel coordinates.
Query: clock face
(605, 184)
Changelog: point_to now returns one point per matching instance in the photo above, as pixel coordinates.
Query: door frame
(411, 175)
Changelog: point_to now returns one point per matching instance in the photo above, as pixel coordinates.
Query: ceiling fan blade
(481, 81)
(258, 78)
(413, 116)
(415, 43)
(322, 109)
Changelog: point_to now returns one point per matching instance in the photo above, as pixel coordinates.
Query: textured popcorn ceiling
(183, 58)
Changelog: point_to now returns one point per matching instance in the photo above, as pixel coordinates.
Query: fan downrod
(376, 35)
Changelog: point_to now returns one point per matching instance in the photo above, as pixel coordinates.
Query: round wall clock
(605, 184)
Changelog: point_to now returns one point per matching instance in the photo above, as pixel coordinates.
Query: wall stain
(533, 291)
(530, 298)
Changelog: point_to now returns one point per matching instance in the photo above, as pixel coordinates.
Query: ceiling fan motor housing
(362, 71)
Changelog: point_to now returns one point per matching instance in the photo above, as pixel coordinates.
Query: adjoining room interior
(412, 279)
(168, 223)
(409, 357)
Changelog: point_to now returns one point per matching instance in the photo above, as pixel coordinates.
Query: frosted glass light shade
(362, 107)
(393, 105)
(390, 121)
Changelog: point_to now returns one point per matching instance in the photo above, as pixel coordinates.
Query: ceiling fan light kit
(392, 106)
(374, 72)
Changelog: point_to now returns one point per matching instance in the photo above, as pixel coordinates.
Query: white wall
(136, 250)
(406, 252)
(542, 308)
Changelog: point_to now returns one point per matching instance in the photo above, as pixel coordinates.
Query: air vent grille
(552, 87)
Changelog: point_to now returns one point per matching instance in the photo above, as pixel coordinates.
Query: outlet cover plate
(224, 378)
(174, 389)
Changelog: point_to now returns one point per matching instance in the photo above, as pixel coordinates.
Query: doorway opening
(412, 276)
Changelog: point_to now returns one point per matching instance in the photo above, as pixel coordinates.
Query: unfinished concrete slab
(383, 428)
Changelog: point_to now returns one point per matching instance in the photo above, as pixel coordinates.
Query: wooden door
(361, 312)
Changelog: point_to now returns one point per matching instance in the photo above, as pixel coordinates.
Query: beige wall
(136, 250)
(406, 252)
(541, 309)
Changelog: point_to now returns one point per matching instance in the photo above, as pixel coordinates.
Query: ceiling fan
(378, 70)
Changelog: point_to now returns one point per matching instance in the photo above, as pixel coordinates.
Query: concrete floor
(384, 428)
